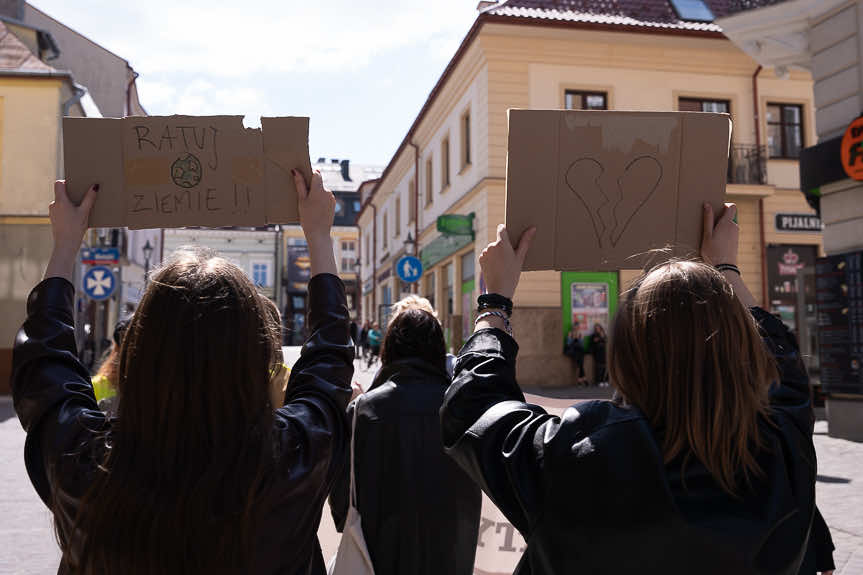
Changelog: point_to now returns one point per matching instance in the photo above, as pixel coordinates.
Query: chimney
(321, 160)
(483, 4)
(12, 9)
(346, 172)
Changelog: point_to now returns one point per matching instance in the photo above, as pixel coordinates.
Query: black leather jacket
(589, 490)
(420, 511)
(55, 403)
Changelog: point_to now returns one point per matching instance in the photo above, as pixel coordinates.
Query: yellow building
(33, 98)
(529, 54)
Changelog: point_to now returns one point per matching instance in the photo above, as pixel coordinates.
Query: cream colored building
(453, 158)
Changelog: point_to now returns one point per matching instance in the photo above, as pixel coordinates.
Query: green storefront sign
(442, 247)
(456, 224)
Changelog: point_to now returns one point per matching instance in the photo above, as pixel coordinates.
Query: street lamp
(410, 245)
(359, 299)
(148, 252)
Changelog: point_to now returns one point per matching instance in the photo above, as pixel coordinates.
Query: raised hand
(68, 224)
(317, 208)
(501, 263)
(719, 239)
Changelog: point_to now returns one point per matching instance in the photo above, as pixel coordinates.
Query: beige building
(529, 54)
(35, 94)
(825, 38)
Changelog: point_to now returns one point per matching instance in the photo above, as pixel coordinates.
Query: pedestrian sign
(409, 269)
(99, 283)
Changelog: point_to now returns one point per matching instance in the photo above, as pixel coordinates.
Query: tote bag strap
(353, 494)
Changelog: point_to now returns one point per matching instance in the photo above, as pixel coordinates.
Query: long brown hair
(687, 353)
(189, 454)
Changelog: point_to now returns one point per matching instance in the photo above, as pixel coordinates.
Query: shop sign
(299, 268)
(456, 224)
(100, 256)
(798, 223)
(784, 262)
(852, 150)
(384, 274)
(442, 247)
(368, 286)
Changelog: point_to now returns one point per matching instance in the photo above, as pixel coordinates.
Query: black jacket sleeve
(312, 424)
(340, 493)
(487, 427)
(51, 389)
(821, 543)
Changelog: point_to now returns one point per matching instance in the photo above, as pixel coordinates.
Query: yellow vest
(102, 388)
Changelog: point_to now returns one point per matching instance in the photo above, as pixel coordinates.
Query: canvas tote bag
(352, 558)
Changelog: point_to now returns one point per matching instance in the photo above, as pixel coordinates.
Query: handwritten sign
(175, 171)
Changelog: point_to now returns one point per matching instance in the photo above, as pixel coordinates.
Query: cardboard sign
(175, 171)
(603, 188)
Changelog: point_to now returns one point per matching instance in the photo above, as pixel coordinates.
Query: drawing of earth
(186, 171)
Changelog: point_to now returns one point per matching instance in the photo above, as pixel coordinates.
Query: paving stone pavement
(28, 546)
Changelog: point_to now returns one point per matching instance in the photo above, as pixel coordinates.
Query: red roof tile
(16, 57)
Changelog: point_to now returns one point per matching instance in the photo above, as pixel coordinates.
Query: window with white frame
(261, 275)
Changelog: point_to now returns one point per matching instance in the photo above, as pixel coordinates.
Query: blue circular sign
(409, 269)
(99, 282)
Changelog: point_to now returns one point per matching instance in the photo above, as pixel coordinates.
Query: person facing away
(420, 512)
(704, 465)
(103, 382)
(374, 337)
(574, 349)
(598, 342)
(198, 473)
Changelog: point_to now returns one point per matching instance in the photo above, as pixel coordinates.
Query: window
(385, 229)
(412, 200)
(430, 288)
(348, 265)
(444, 164)
(429, 182)
(465, 140)
(692, 10)
(368, 248)
(576, 100)
(398, 217)
(784, 130)
(261, 274)
(702, 105)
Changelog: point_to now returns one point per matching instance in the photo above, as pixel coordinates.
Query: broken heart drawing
(611, 214)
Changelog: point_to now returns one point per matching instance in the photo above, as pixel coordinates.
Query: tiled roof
(647, 14)
(16, 57)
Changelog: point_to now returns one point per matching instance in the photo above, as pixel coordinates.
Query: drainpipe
(416, 193)
(78, 92)
(129, 90)
(761, 233)
(374, 309)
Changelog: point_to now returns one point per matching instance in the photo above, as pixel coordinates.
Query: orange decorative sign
(852, 150)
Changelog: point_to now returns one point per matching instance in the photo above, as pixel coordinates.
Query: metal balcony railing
(747, 164)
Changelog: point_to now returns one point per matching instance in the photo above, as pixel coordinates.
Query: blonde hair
(412, 302)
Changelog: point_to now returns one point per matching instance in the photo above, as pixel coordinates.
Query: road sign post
(409, 269)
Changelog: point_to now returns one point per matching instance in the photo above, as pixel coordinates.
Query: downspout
(129, 90)
(416, 193)
(374, 309)
(761, 232)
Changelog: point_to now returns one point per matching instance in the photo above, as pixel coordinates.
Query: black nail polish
(96, 187)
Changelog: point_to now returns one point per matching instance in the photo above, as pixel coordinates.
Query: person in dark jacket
(197, 473)
(420, 512)
(705, 464)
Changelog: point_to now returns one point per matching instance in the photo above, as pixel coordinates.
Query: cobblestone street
(27, 544)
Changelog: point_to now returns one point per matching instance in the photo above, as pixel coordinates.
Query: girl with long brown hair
(198, 473)
(705, 464)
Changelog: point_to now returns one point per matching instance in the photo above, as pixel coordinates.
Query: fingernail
(96, 187)
(293, 172)
(706, 206)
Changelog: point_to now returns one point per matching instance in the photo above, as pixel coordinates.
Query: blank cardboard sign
(603, 188)
(175, 171)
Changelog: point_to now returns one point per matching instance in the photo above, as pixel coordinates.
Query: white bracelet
(500, 314)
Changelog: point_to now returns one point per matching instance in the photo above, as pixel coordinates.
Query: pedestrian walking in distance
(705, 462)
(420, 512)
(198, 473)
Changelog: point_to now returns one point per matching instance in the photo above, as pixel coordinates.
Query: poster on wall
(839, 281)
(589, 305)
(784, 263)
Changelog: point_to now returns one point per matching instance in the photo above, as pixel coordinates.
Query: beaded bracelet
(728, 267)
(494, 301)
(500, 314)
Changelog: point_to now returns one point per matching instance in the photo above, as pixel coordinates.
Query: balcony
(747, 164)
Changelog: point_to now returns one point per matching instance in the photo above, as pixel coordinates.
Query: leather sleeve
(791, 394)
(51, 389)
(340, 492)
(312, 424)
(487, 427)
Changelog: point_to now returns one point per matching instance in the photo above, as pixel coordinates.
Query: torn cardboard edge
(176, 171)
(604, 188)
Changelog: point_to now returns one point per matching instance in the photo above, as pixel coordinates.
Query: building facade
(825, 38)
(445, 186)
(343, 179)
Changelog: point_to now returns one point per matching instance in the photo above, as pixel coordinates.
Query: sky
(360, 70)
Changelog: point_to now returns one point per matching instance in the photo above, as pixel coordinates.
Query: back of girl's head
(192, 442)
(688, 354)
(414, 333)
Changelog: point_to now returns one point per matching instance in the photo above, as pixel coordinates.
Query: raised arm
(313, 417)
(51, 389)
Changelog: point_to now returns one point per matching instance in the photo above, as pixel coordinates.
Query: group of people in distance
(210, 462)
